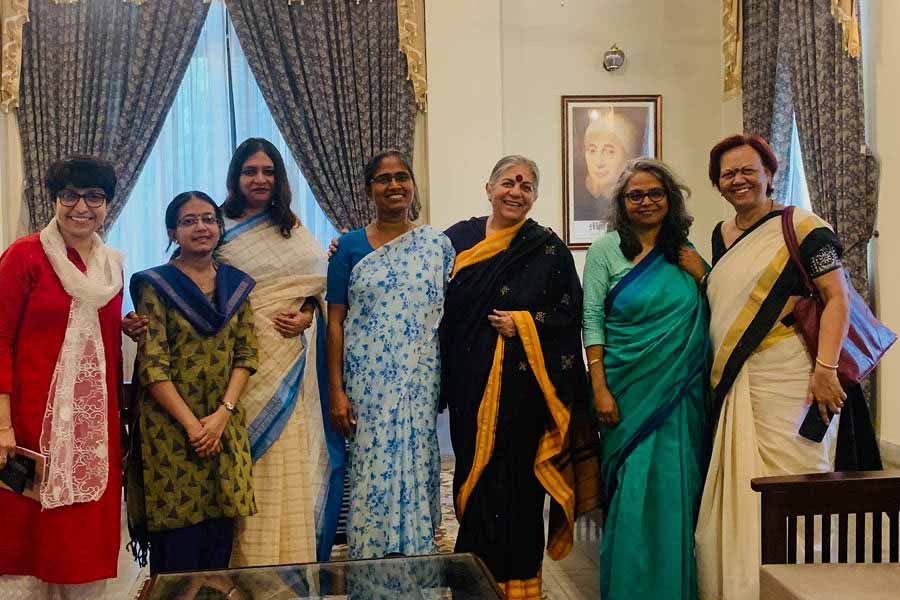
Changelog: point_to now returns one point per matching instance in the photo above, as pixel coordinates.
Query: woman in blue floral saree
(646, 334)
(386, 287)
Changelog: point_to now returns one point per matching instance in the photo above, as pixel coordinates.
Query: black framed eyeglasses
(70, 198)
(386, 178)
(656, 195)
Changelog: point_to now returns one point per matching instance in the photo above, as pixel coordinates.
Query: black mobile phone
(812, 427)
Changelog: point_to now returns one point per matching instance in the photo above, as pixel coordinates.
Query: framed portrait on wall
(600, 134)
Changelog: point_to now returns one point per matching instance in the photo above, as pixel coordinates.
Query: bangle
(593, 361)
(826, 365)
(230, 593)
(7, 428)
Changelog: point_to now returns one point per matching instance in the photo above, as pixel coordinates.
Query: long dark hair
(180, 200)
(280, 205)
(676, 224)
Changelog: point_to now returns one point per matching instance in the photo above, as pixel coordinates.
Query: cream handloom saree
(760, 376)
(291, 468)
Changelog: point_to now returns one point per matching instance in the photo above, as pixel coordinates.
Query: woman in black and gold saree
(515, 382)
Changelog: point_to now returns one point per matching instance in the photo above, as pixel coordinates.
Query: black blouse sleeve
(821, 252)
(718, 243)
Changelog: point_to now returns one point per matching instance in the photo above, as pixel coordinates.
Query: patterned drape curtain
(766, 97)
(827, 86)
(13, 15)
(337, 86)
(98, 78)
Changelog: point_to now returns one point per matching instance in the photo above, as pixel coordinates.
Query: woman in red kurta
(76, 540)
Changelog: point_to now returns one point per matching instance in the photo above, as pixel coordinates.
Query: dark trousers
(206, 545)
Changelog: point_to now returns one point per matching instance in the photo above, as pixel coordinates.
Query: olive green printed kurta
(181, 488)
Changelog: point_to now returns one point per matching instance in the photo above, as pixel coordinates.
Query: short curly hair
(81, 171)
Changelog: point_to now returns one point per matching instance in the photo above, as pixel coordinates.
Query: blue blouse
(352, 248)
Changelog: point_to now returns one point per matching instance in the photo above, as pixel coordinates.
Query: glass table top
(434, 577)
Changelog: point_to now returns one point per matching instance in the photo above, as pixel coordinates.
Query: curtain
(13, 15)
(195, 145)
(766, 99)
(98, 78)
(732, 46)
(828, 101)
(336, 83)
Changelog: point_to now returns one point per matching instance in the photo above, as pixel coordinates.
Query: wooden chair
(826, 494)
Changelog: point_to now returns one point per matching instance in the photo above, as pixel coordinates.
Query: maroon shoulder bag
(867, 338)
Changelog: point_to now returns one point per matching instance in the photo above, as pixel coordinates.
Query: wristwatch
(229, 406)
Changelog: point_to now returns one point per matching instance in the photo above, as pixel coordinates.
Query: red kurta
(80, 542)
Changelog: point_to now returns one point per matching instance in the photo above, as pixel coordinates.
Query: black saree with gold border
(519, 416)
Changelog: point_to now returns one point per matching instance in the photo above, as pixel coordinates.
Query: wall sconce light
(613, 59)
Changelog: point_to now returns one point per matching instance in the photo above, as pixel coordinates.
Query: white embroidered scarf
(74, 432)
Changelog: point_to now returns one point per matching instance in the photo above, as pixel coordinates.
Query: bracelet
(826, 365)
(230, 593)
(593, 361)
(7, 428)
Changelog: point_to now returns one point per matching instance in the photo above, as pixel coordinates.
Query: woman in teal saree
(646, 334)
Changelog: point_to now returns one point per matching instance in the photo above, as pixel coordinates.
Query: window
(796, 190)
(195, 145)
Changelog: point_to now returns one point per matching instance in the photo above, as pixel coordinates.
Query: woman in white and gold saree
(763, 378)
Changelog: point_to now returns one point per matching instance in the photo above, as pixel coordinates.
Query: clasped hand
(292, 323)
(205, 436)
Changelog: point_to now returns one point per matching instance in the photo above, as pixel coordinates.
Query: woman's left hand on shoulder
(292, 324)
(503, 323)
(691, 262)
(825, 389)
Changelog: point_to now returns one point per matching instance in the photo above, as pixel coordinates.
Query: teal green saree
(655, 358)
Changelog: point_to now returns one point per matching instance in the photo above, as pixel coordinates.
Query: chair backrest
(827, 495)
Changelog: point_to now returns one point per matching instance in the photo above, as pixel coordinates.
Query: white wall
(881, 48)
(497, 69)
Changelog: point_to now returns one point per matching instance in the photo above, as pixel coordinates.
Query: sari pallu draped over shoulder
(490, 381)
(655, 360)
(298, 458)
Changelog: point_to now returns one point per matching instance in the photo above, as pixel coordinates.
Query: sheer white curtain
(196, 144)
(797, 191)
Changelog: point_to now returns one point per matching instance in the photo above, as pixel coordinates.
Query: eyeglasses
(192, 221)
(386, 178)
(732, 173)
(656, 195)
(70, 198)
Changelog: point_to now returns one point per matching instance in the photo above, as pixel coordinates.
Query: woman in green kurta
(646, 335)
(191, 474)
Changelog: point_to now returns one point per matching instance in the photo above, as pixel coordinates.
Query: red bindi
(519, 178)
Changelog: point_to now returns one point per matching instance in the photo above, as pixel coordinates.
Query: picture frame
(600, 134)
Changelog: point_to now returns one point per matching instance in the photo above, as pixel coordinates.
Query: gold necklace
(739, 228)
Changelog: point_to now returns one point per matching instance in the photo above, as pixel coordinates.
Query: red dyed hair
(757, 142)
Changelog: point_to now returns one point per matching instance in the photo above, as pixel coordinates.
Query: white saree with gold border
(761, 373)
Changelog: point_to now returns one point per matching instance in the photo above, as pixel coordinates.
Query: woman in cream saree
(292, 466)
